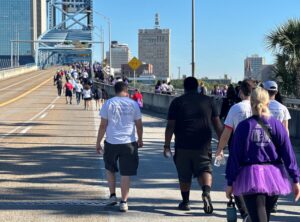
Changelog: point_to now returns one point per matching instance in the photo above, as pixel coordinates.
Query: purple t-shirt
(252, 145)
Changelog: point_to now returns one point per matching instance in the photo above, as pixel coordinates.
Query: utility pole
(193, 39)
(179, 74)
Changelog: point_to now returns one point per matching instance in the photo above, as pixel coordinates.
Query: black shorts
(125, 154)
(69, 93)
(87, 99)
(191, 163)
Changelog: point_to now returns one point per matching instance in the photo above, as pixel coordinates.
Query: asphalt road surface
(50, 172)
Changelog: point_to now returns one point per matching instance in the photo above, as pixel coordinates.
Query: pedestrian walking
(190, 117)
(97, 92)
(138, 97)
(255, 168)
(236, 114)
(68, 90)
(278, 111)
(87, 96)
(59, 85)
(119, 118)
(78, 91)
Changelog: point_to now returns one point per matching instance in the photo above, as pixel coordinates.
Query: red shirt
(69, 86)
(137, 96)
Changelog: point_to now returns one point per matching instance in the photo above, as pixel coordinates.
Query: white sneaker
(112, 201)
(123, 206)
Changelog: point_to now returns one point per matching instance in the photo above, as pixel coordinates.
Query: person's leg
(67, 100)
(185, 191)
(240, 203)
(270, 203)
(71, 98)
(205, 180)
(111, 179)
(125, 185)
(256, 207)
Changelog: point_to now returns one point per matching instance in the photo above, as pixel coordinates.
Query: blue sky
(227, 30)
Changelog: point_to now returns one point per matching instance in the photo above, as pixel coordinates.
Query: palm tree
(285, 42)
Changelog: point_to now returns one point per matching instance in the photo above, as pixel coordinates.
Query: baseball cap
(270, 85)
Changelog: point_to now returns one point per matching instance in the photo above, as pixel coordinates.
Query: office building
(23, 20)
(253, 66)
(120, 54)
(154, 48)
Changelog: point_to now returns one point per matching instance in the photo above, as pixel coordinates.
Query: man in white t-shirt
(237, 114)
(279, 111)
(119, 118)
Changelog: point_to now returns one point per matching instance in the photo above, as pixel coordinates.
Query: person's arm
(168, 136)
(101, 133)
(285, 123)
(223, 141)
(139, 129)
(217, 124)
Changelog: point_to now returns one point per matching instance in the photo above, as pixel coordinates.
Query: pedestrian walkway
(51, 173)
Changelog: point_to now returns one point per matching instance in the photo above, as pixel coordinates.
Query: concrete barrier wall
(160, 104)
(8, 73)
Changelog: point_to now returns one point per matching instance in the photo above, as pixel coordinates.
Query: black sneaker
(184, 206)
(274, 210)
(208, 207)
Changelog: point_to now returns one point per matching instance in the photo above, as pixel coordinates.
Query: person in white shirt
(120, 116)
(279, 111)
(164, 87)
(237, 114)
(87, 96)
(78, 90)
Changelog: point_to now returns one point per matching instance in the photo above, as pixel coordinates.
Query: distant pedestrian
(87, 96)
(119, 118)
(68, 91)
(171, 89)
(228, 102)
(97, 93)
(138, 97)
(260, 151)
(158, 87)
(164, 87)
(59, 85)
(202, 89)
(190, 117)
(78, 90)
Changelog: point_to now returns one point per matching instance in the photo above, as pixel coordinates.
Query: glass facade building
(16, 18)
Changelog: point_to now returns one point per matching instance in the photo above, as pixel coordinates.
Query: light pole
(179, 75)
(109, 31)
(193, 39)
(101, 36)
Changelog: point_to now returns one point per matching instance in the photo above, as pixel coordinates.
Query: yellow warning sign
(134, 63)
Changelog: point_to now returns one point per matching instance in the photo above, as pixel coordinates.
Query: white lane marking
(18, 83)
(52, 106)
(30, 120)
(43, 116)
(24, 131)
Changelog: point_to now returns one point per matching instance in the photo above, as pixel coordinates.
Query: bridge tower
(69, 37)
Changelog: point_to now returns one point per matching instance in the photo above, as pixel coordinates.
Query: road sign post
(134, 64)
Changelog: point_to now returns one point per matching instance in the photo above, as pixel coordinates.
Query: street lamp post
(109, 31)
(193, 39)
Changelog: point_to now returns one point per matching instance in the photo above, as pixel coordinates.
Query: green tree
(285, 44)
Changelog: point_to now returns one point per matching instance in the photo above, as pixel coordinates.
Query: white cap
(270, 85)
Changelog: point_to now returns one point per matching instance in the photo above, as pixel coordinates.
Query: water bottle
(231, 211)
(219, 160)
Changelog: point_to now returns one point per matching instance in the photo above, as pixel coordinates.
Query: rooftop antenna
(157, 20)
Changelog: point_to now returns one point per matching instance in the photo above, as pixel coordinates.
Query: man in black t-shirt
(190, 117)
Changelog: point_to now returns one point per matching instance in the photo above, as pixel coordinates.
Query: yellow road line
(25, 94)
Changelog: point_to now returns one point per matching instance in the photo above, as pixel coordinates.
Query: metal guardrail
(292, 103)
(17, 67)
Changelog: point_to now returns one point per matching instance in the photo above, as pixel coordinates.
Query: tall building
(23, 20)
(253, 66)
(154, 48)
(120, 54)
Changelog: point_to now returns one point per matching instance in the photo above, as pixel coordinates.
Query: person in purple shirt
(255, 168)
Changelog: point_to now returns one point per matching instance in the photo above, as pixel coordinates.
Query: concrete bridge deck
(50, 172)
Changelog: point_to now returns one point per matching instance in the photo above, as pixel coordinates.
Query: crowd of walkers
(164, 87)
(78, 82)
(255, 131)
